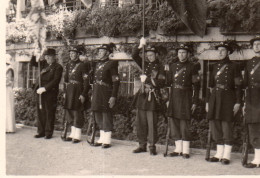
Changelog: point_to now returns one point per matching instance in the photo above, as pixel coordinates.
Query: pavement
(28, 156)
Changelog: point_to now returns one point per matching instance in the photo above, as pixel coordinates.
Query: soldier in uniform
(105, 88)
(184, 81)
(252, 105)
(223, 101)
(147, 103)
(51, 73)
(76, 86)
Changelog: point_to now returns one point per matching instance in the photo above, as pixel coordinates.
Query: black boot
(139, 150)
(153, 150)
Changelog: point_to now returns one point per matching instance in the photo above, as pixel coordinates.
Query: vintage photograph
(115, 88)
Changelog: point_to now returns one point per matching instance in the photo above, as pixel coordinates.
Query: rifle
(167, 138)
(92, 126)
(65, 127)
(208, 146)
(245, 142)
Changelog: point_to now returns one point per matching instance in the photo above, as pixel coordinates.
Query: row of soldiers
(224, 97)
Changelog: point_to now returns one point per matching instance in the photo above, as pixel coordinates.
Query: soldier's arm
(136, 57)
(115, 78)
(238, 83)
(158, 80)
(86, 79)
(210, 82)
(56, 79)
(196, 82)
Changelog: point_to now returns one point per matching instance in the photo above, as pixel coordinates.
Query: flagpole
(143, 51)
(39, 72)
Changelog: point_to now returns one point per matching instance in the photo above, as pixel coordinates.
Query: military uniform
(76, 84)
(184, 81)
(147, 103)
(252, 111)
(225, 82)
(105, 85)
(50, 79)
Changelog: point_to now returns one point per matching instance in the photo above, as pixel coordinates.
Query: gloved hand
(193, 107)
(236, 108)
(142, 42)
(41, 90)
(207, 107)
(82, 99)
(112, 102)
(143, 78)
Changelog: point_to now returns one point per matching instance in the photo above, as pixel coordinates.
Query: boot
(186, 149)
(107, 140)
(77, 135)
(72, 133)
(256, 161)
(227, 154)
(152, 150)
(101, 138)
(218, 156)
(178, 149)
(140, 149)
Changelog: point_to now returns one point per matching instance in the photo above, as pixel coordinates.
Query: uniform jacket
(105, 84)
(76, 83)
(183, 79)
(252, 85)
(50, 75)
(149, 99)
(225, 83)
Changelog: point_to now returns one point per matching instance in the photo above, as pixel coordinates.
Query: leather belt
(99, 82)
(74, 82)
(257, 85)
(180, 86)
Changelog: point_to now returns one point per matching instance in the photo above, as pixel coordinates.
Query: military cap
(185, 47)
(225, 45)
(106, 47)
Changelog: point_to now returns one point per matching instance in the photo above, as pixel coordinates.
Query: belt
(220, 86)
(180, 86)
(257, 85)
(99, 82)
(74, 82)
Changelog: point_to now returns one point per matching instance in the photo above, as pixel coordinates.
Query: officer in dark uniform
(252, 105)
(223, 101)
(147, 102)
(105, 88)
(51, 73)
(184, 81)
(76, 86)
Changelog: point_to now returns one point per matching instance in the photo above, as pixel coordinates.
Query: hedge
(124, 121)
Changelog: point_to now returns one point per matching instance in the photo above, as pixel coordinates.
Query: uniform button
(217, 89)
(218, 68)
(183, 80)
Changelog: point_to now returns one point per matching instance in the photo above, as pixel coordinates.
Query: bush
(124, 120)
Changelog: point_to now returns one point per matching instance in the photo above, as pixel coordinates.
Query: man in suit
(185, 84)
(223, 101)
(76, 87)
(105, 88)
(51, 73)
(252, 105)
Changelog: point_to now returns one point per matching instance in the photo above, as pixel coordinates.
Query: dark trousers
(254, 135)
(179, 129)
(75, 117)
(46, 115)
(104, 120)
(221, 132)
(146, 124)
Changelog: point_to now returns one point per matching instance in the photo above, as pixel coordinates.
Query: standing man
(185, 84)
(51, 73)
(252, 105)
(223, 101)
(147, 103)
(105, 88)
(76, 86)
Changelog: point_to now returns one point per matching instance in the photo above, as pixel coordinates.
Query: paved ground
(26, 155)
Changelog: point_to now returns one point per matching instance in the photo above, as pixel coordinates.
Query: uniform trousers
(46, 115)
(254, 135)
(179, 129)
(104, 120)
(75, 117)
(221, 132)
(146, 124)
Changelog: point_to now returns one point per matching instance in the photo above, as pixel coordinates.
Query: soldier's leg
(176, 135)
(108, 127)
(78, 123)
(142, 130)
(50, 105)
(217, 136)
(254, 138)
(99, 120)
(41, 119)
(185, 135)
(69, 117)
(152, 120)
(228, 139)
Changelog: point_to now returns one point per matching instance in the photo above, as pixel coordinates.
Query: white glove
(143, 78)
(142, 42)
(236, 108)
(207, 107)
(41, 90)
